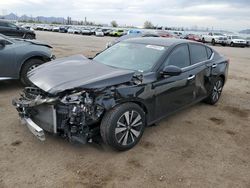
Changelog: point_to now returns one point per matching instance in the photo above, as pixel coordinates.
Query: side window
(198, 53)
(3, 24)
(179, 57)
(209, 52)
(11, 25)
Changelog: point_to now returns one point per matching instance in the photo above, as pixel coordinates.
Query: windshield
(138, 57)
(218, 34)
(236, 37)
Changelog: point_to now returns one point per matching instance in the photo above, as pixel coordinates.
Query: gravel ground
(202, 146)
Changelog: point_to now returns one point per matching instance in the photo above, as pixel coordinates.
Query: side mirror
(171, 70)
(2, 43)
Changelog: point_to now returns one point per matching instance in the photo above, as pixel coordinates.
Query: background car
(163, 33)
(134, 35)
(248, 41)
(74, 30)
(63, 29)
(10, 29)
(55, 29)
(125, 88)
(99, 33)
(85, 31)
(106, 31)
(214, 38)
(117, 33)
(193, 37)
(19, 56)
(48, 28)
(234, 40)
(134, 31)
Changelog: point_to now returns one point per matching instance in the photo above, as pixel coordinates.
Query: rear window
(198, 53)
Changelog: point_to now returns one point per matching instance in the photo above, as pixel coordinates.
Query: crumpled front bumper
(34, 128)
(24, 108)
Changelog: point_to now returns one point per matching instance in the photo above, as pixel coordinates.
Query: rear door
(200, 57)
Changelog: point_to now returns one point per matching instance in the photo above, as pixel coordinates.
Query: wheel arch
(222, 76)
(112, 104)
(40, 57)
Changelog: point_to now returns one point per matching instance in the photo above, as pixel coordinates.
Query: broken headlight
(73, 98)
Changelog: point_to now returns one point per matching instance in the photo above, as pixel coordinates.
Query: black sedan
(122, 90)
(11, 30)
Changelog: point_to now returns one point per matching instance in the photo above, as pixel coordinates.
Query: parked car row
(84, 30)
(224, 39)
(219, 38)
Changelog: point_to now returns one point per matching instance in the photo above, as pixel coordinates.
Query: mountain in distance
(43, 19)
(246, 31)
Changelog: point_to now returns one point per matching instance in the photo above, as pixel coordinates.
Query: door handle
(191, 77)
(214, 65)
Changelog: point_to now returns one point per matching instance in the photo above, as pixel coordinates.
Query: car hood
(77, 72)
(35, 42)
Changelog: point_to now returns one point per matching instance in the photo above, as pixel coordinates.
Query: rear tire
(28, 66)
(232, 44)
(122, 127)
(213, 42)
(203, 40)
(215, 94)
(28, 36)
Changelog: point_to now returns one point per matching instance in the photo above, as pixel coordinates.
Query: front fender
(45, 55)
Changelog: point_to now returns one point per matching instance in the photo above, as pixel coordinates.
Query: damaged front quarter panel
(76, 113)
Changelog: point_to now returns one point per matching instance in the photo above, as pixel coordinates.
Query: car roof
(160, 41)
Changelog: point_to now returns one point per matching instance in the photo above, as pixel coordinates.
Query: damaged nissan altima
(120, 91)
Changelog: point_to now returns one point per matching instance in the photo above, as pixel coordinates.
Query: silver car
(19, 56)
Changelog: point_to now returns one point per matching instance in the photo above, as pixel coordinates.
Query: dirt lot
(203, 146)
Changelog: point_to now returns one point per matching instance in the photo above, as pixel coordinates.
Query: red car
(163, 33)
(193, 37)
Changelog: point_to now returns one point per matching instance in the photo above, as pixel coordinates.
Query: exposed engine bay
(72, 116)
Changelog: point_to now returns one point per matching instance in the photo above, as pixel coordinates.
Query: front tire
(232, 44)
(28, 66)
(123, 126)
(213, 42)
(215, 94)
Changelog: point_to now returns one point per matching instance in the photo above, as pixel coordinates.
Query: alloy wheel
(129, 128)
(217, 89)
(32, 67)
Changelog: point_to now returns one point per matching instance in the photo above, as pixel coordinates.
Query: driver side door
(175, 92)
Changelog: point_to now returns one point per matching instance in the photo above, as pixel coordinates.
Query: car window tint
(3, 24)
(179, 57)
(209, 52)
(198, 53)
(11, 25)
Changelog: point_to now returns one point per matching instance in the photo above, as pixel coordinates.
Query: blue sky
(220, 14)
